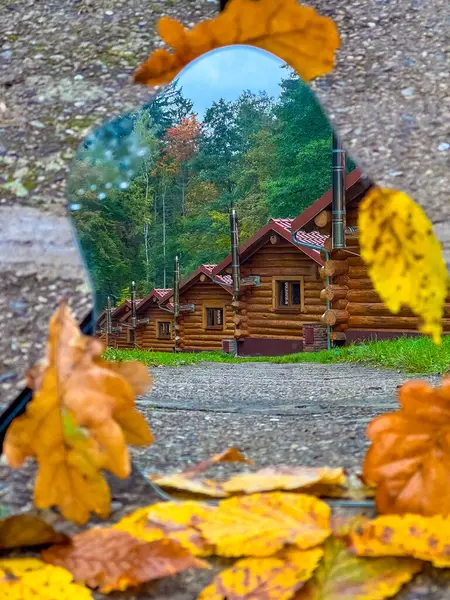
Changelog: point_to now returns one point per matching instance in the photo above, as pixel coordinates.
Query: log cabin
(280, 290)
(356, 313)
(206, 315)
(157, 334)
(121, 335)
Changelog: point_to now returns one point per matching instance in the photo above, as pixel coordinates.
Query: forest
(264, 156)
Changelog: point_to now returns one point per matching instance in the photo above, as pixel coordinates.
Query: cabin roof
(158, 293)
(283, 228)
(356, 186)
(225, 281)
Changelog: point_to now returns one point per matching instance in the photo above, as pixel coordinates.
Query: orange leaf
(427, 538)
(409, 459)
(294, 33)
(275, 578)
(283, 478)
(25, 530)
(114, 560)
(261, 524)
(229, 455)
(172, 520)
(344, 576)
(78, 422)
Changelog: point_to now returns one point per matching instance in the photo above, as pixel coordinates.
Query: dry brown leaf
(275, 578)
(78, 422)
(173, 520)
(114, 560)
(25, 530)
(261, 524)
(284, 478)
(409, 459)
(294, 33)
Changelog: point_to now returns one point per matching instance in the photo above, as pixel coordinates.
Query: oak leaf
(261, 524)
(114, 560)
(294, 33)
(409, 458)
(78, 422)
(32, 579)
(284, 478)
(188, 480)
(26, 530)
(344, 576)
(425, 538)
(275, 578)
(404, 258)
(172, 520)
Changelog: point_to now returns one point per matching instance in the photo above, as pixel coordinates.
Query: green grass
(408, 355)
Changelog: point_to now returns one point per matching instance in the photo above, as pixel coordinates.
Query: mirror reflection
(192, 198)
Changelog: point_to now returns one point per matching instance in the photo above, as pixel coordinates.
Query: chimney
(338, 195)
(235, 267)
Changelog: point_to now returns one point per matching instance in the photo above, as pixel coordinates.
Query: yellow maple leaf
(173, 520)
(343, 576)
(72, 426)
(294, 33)
(261, 524)
(404, 257)
(275, 578)
(283, 478)
(425, 538)
(32, 579)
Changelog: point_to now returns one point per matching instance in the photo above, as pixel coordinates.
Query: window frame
(158, 334)
(205, 317)
(292, 308)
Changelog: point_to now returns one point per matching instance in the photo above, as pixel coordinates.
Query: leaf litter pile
(275, 524)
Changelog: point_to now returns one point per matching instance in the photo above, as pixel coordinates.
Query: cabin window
(214, 318)
(288, 294)
(163, 329)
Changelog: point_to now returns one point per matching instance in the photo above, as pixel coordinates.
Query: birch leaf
(294, 33)
(404, 258)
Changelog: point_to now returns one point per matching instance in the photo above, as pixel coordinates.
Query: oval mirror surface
(236, 129)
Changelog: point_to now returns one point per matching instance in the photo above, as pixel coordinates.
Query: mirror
(237, 129)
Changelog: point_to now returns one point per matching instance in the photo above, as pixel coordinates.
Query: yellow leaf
(73, 425)
(344, 576)
(172, 520)
(283, 478)
(427, 538)
(25, 530)
(294, 33)
(261, 524)
(32, 579)
(115, 560)
(404, 257)
(274, 578)
(178, 481)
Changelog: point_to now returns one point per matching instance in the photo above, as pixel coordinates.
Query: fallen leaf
(32, 579)
(77, 424)
(261, 524)
(426, 538)
(294, 33)
(344, 576)
(409, 458)
(24, 530)
(404, 258)
(204, 487)
(173, 520)
(229, 455)
(275, 578)
(283, 478)
(114, 560)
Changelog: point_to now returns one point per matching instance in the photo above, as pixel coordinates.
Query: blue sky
(227, 72)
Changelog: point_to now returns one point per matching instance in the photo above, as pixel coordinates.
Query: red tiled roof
(313, 237)
(224, 281)
(158, 293)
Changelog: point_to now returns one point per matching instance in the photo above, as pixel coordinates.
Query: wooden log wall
(193, 334)
(354, 302)
(147, 335)
(279, 259)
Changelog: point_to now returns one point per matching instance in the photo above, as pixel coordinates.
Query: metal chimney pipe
(338, 195)
(235, 266)
(176, 300)
(133, 305)
(108, 317)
